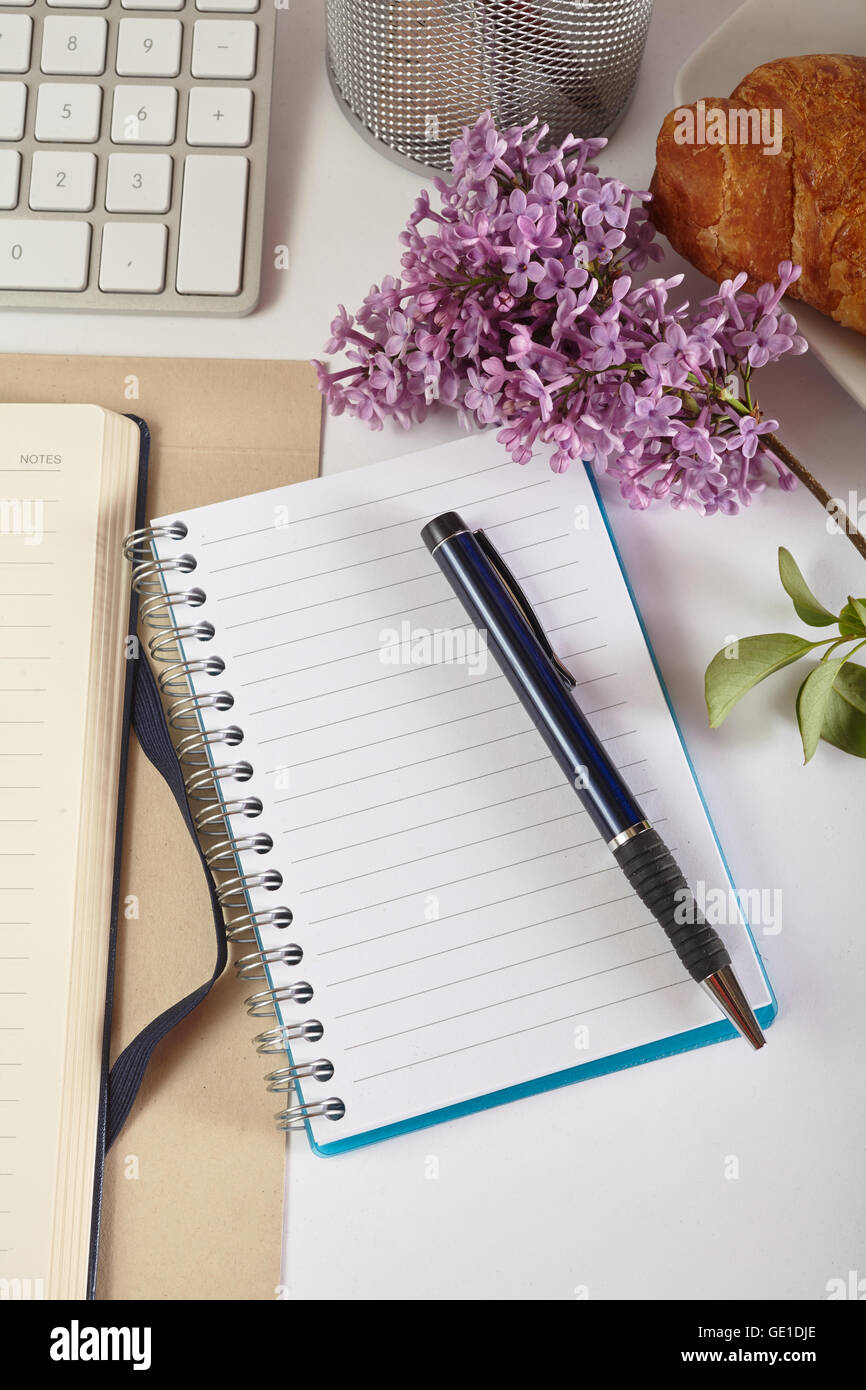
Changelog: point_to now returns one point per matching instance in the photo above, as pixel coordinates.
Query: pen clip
(524, 607)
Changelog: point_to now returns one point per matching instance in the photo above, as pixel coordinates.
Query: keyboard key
(19, 3)
(16, 36)
(219, 116)
(133, 257)
(152, 4)
(144, 115)
(68, 111)
(10, 174)
(149, 47)
(236, 6)
(13, 104)
(74, 44)
(38, 255)
(138, 183)
(62, 181)
(212, 218)
(72, 4)
(221, 48)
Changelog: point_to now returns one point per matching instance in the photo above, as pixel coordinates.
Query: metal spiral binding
(192, 751)
(283, 1078)
(263, 1004)
(214, 813)
(210, 822)
(221, 856)
(138, 545)
(177, 676)
(293, 1116)
(252, 967)
(275, 1039)
(183, 714)
(242, 928)
(233, 893)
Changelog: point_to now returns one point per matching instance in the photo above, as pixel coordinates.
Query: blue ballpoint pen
(496, 605)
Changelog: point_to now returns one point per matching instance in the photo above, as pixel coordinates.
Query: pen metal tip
(725, 989)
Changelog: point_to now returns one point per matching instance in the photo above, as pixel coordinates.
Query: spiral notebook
(428, 921)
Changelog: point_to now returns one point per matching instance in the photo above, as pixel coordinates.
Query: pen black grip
(658, 881)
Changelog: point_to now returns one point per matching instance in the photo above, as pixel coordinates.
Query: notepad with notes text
(461, 934)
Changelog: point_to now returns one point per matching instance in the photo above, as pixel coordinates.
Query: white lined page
(464, 929)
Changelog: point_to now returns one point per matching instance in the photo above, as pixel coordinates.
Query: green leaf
(807, 606)
(851, 623)
(859, 607)
(729, 678)
(812, 699)
(851, 685)
(845, 712)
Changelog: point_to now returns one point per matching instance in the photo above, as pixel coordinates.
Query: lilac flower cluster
(521, 309)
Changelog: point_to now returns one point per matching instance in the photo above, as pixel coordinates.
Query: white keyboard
(133, 153)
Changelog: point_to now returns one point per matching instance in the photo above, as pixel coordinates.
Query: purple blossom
(649, 415)
(516, 264)
(569, 307)
(695, 442)
(748, 435)
(537, 390)
(605, 334)
(726, 299)
(552, 277)
(601, 242)
(518, 303)
(341, 330)
(764, 342)
(677, 356)
(400, 329)
(497, 372)
(480, 396)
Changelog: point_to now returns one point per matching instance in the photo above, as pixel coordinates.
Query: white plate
(759, 31)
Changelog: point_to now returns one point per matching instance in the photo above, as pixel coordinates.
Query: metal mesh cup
(410, 74)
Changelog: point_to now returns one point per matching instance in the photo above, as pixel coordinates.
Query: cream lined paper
(464, 930)
(67, 477)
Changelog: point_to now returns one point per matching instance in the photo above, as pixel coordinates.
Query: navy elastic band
(127, 1074)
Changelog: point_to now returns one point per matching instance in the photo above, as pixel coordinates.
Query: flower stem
(839, 642)
(830, 504)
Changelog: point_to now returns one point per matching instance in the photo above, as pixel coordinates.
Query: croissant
(730, 206)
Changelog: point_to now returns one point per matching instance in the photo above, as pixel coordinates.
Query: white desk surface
(618, 1186)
